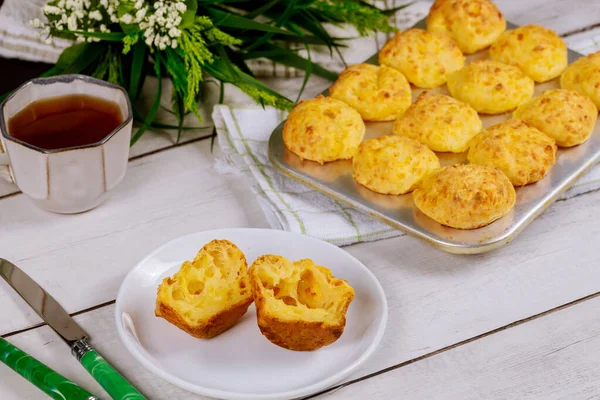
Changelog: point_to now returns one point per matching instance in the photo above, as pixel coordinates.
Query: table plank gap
(581, 30)
(74, 314)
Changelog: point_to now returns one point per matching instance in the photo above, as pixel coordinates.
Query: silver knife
(61, 322)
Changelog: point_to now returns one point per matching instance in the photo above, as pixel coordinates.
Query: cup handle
(4, 166)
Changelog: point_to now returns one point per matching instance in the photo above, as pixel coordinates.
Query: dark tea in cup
(67, 121)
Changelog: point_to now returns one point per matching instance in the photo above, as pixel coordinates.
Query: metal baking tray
(335, 180)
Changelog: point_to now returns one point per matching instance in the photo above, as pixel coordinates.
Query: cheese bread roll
(465, 196)
(565, 115)
(491, 87)
(518, 149)
(473, 24)
(299, 305)
(583, 76)
(440, 122)
(392, 164)
(377, 93)
(425, 58)
(323, 129)
(208, 295)
(538, 51)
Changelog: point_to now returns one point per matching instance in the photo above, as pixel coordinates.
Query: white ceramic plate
(241, 363)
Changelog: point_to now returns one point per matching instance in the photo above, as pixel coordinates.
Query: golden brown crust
(298, 335)
(377, 93)
(217, 279)
(323, 129)
(465, 196)
(425, 58)
(392, 164)
(518, 149)
(565, 115)
(440, 122)
(583, 76)
(300, 331)
(491, 87)
(214, 326)
(538, 51)
(473, 24)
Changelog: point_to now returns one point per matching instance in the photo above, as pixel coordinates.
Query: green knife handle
(50, 382)
(115, 385)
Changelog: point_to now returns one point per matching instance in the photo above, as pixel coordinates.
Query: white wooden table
(522, 322)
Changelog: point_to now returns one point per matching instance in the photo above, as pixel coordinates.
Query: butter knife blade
(42, 303)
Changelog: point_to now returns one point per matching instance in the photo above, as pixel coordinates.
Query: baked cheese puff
(425, 58)
(491, 87)
(323, 129)
(473, 24)
(465, 196)
(565, 115)
(538, 51)
(518, 149)
(392, 164)
(377, 93)
(583, 76)
(440, 122)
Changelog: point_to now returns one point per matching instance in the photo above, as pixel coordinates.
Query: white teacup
(73, 179)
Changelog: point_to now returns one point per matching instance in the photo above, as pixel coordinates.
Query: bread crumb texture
(208, 295)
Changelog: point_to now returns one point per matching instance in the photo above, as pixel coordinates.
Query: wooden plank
(82, 258)
(551, 358)
(173, 193)
(562, 16)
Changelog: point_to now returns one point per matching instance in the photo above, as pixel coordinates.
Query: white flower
(127, 18)
(48, 9)
(97, 15)
(72, 22)
(181, 7)
(36, 23)
(48, 41)
(141, 14)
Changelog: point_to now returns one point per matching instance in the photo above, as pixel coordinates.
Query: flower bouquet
(124, 41)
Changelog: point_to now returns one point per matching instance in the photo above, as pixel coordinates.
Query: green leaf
(227, 72)
(291, 59)
(78, 57)
(282, 19)
(231, 20)
(152, 113)
(127, 7)
(178, 110)
(105, 36)
(137, 65)
(189, 16)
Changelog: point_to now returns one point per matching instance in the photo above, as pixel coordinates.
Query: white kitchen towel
(19, 40)
(243, 135)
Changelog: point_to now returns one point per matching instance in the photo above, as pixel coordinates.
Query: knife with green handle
(58, 319)
(49, 381)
